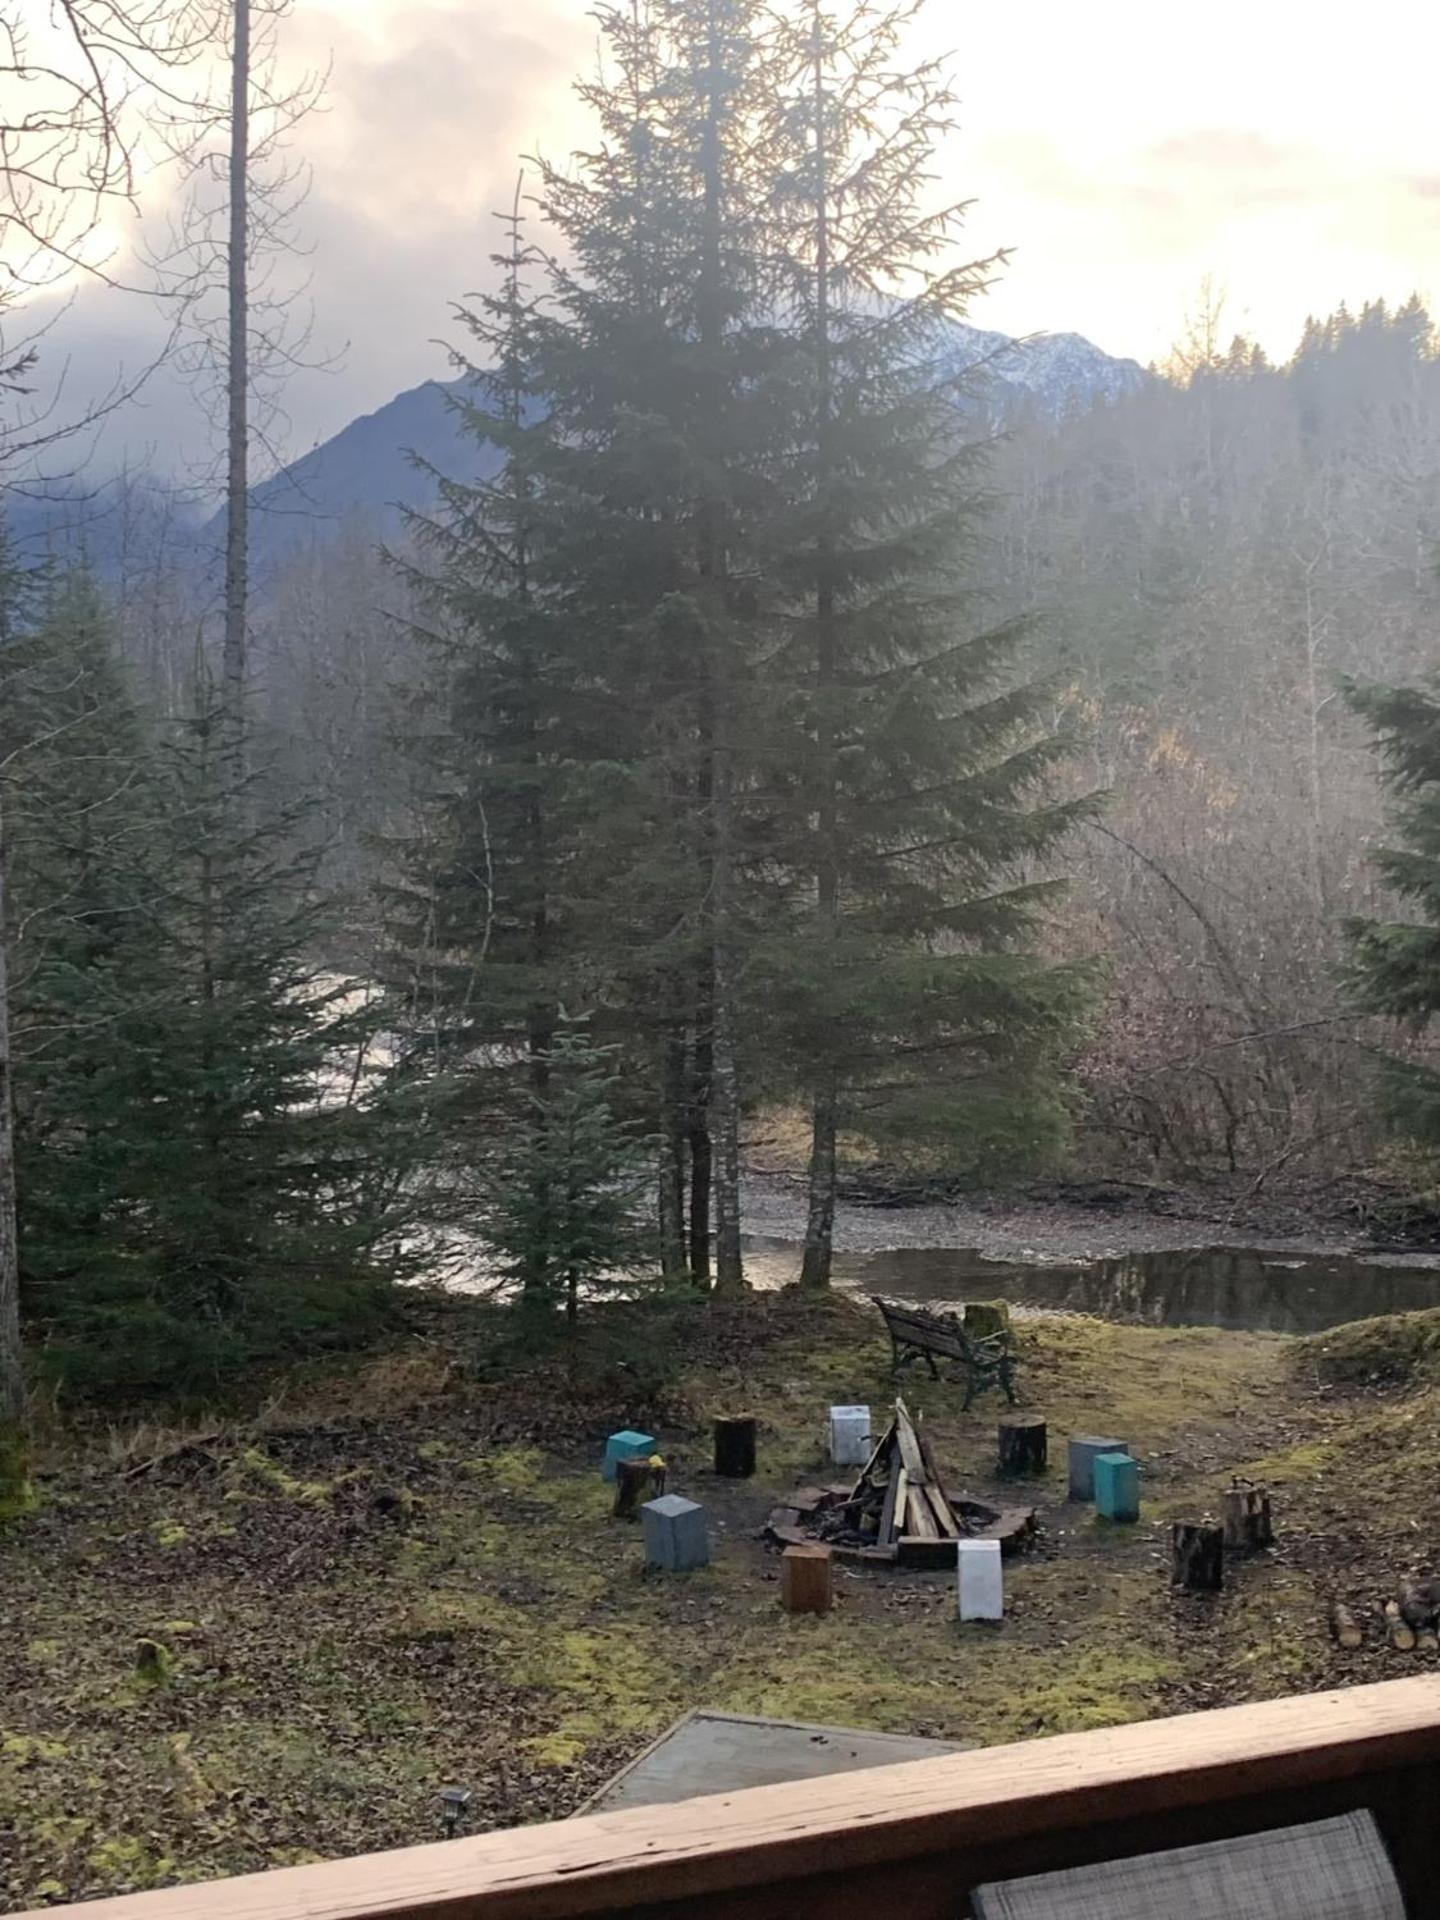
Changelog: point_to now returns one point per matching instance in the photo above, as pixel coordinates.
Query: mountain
(367, 472)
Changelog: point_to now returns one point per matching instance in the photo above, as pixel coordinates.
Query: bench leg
(1007, 1380)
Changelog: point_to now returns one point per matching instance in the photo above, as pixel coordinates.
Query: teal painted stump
(1117, 1487)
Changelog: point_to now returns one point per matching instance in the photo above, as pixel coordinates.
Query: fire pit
(897, 1513)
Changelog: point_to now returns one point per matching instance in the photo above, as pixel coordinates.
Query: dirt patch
(271, 1641)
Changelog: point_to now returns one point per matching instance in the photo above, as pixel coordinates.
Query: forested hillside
(1204, 558)
(1196, 559)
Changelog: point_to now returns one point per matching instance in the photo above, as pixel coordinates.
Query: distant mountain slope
(366, 471)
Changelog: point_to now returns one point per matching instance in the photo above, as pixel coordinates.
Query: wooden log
(919, 1519)
(944, 1514)
(805, 1579)
(919, 1551)
(735, 1446)
(909, 1446)
(1346, 1628)
(1419, 1602)
(885, 1532)
(1427, 1641)
(1246, 1512)
(636, 1481)
(900, 1480)
(1024, 1444)
(1197, 1556)
(1398, 1630)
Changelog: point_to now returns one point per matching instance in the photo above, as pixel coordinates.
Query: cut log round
(735, 1447)
(1197, 1556)
(1248, 1525)
(1345, 1627)
(805, 1579)
(1024, 1444)
(1398, 1630)
(636, 1481)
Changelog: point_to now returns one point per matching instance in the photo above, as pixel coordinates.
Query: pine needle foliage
(203, 1185)
(1394, 965)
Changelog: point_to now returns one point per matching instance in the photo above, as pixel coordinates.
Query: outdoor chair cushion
(1327, 1870)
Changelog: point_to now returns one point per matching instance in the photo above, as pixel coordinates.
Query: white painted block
(982, 1585)
(850, 1441)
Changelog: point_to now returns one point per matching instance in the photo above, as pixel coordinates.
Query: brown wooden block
(805, 1585)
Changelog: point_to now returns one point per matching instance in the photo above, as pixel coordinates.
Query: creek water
(1237, 1287)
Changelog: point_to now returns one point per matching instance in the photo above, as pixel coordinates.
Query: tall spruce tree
(912, 1004)
(197, 1190)
(1394, 965)
(81, 819)
(624, 408)
(15, 1492)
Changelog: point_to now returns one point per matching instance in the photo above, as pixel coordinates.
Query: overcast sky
(1288, 149)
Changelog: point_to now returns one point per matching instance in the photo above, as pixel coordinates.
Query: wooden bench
(915, 1335)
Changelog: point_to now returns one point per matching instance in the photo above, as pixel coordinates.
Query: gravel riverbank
(1048, 1227)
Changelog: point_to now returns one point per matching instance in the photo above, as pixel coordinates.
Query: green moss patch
(328, 1658)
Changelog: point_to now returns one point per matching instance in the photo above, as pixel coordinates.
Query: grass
(259, 1643)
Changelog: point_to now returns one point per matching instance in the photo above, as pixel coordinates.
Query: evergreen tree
(1394, 965)
(198, 1191)
(598, 687)
(15, 1492)
(912, 1004)
(81, 817)
(562, 1195)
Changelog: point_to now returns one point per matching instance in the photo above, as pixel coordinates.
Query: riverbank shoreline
(1083, 1222)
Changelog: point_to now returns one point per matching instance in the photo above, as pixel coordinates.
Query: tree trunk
(735, 1447)
(1246, 1512)
(673, 1263)
(14, 1475)
(820, 1206)
(237, 384)
(725, 1102)
(636, 1481)
(1024, 1445)
(699, 1121)
(721, 679)
(1197, 1556)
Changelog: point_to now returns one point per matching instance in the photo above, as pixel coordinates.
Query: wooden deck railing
(906, 1840)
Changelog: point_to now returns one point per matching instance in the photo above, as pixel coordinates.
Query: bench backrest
(926, 1330)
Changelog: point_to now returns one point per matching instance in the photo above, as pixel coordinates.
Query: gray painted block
(1083, 1449)
(675, 1534)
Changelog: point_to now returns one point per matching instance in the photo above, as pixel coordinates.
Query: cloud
(427, 111)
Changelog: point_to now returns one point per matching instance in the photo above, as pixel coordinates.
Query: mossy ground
(406, 1576)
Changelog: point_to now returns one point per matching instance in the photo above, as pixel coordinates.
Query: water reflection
(1199, 1287)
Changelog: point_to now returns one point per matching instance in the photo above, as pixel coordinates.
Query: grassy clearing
(275, 1638)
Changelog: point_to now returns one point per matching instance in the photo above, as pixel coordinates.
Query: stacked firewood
(1411, 1620)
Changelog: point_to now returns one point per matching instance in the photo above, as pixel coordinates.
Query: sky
(1286, 150)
